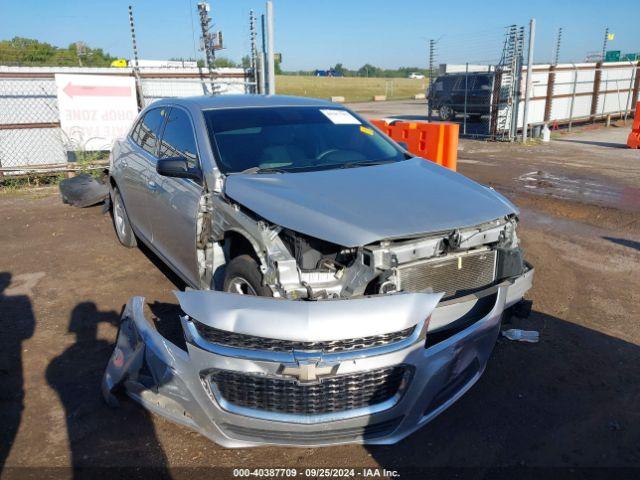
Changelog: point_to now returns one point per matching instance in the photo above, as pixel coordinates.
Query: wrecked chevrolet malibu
(339, 289)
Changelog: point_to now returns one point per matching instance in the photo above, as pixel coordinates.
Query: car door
(138, 164)
(480, 98)
(174, 207)
(458, 93)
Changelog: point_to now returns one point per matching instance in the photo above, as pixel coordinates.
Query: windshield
(292, 139)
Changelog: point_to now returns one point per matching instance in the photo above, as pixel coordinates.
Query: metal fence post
(466, 89)
(432, 48)
(573, 95)
(270, 53)
(548, 103)
(604, 96)
(528, 87)
(595, 96)
(636, 87)
(629, 92)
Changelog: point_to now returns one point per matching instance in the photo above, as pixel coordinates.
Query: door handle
(151, 185)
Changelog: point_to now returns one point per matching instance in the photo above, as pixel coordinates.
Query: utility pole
(271, 87)
(432, 51)
(81, 51)
(254, 49)
(528, 86)
(604, 44)
(134, 64)
(207, 41)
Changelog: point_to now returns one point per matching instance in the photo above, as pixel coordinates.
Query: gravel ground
(569, 402)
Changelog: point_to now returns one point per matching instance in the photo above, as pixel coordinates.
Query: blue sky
(320, 33)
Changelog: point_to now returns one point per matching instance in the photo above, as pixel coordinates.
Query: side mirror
(485, 87)
(177, 167)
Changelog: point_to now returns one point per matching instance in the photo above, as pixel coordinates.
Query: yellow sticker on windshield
(366, 130)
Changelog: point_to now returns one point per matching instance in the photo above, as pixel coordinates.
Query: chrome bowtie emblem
(307, 368)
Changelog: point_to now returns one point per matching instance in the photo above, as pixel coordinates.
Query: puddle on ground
(580, 189)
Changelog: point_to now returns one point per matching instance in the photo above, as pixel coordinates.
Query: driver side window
(178, 139)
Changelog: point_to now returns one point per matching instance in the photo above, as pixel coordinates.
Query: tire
(121, 224)
(446, 113)
(243, 276)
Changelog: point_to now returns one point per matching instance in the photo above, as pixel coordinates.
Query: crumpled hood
(358, 206)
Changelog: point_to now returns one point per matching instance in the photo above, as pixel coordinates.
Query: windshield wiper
(263, 170)
(365, 163)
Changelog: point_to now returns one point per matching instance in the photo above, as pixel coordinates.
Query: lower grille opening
(329, 395)
(368, 432)
(481, 309)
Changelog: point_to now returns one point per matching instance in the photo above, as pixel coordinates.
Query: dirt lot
(571, 401)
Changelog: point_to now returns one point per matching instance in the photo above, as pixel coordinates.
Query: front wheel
(121, 223)
(243, 276)
(446, 113)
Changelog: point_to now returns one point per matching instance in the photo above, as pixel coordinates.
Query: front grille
(330, 395)
(451, 275)
(251, 342)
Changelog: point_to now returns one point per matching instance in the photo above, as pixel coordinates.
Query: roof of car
(244, 101)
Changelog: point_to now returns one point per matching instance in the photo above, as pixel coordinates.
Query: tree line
(367, 70)
(31, 52)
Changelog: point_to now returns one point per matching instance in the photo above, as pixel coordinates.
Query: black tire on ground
(121, 224)
(242, 275)
(446, 112)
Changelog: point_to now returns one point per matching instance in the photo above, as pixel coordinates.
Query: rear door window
(178, 139)
(483, 82)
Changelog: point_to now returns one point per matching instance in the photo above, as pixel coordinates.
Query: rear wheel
(121, 224)
(446, 113)
(243, 276)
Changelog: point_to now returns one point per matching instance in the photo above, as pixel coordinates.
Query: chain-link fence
(31, 137)
(30, 131)
(469, 86)
(157, 88)
(464, 97)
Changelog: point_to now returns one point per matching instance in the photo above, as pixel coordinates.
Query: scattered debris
(517, 335)
(83, 191)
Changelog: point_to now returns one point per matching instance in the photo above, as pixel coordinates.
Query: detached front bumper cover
(372, 387)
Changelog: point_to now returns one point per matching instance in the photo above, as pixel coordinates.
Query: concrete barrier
(379, 98)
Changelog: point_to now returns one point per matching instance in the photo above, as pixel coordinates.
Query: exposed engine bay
(297, 266)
